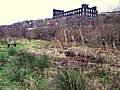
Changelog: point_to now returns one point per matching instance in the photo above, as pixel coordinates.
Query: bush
(71, 80)
(43, 62)
(43, 84)
(2, 59)
(11, 51)
(23, 64)
(1, 85)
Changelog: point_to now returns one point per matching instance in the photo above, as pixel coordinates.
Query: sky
(12, 11)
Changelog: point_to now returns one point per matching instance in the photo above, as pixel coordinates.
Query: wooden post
(81, 36)
(65, 36)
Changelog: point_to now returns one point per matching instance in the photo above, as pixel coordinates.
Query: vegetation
(20, 69)
(35, 65)
(71, 80)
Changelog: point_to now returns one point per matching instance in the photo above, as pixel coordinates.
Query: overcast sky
(19, 10)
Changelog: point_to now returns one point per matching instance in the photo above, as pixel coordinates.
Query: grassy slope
(32, 46)
(38, 47)
(3, 68)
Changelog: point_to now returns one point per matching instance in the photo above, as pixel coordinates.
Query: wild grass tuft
(71, 80)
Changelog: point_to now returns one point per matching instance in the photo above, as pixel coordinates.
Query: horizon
(13, 11)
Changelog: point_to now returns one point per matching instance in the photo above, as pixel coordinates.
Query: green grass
(43, 84)
(18, 62)
(16, 65)
(71, 80)
(5, 53)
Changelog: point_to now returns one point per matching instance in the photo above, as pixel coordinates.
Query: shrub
(43, 62)
(1, 85)
(71, 80)
(2, 59)
(43, 84)
(23, 64)
(11, 51)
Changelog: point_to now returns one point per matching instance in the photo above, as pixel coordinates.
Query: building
(84, 11)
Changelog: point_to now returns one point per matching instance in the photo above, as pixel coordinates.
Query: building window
(87, 10)
(69, 13)
(90, 10)
(74, 12)
(95, 11)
